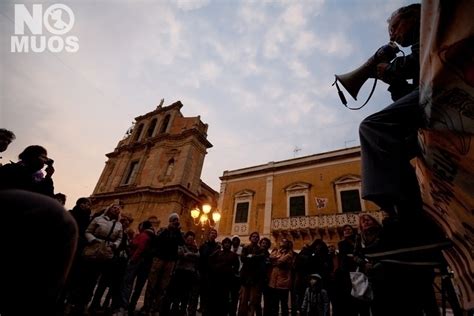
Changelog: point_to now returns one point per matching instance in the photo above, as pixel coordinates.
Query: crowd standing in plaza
(102, 254)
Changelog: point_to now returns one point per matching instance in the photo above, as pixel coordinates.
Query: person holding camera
(27, 174)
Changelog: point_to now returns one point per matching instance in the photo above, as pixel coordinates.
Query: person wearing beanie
(173, 217)
(316, 300)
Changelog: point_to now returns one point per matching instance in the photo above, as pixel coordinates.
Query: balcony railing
(320, 221)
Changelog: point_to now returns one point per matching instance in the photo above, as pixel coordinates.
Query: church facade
(300, 199)
(156, 169)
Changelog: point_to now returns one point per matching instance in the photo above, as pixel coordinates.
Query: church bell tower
(156, 168)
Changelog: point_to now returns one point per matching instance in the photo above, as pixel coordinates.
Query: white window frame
(242, 197)
(347, 183)
(297, 189)
(237, 202)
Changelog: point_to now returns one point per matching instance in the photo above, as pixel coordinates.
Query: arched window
(138, 133)
(132, 173)
(165, 123)
(151, 129)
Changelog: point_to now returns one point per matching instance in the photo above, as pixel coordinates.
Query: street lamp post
(201, 216)
(204, 217)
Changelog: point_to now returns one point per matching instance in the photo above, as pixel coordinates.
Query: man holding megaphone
(388, 138)
(388, 142)
(404, 29)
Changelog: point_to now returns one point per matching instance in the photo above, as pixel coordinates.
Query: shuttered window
(350, 200)
(297, 206)
(242, 212)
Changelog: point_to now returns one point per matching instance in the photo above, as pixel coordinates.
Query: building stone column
(267, 220)
(220, 203)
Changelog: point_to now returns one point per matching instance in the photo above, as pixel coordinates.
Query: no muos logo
(58, 19)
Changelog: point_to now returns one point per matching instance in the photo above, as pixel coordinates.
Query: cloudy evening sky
(258, 72)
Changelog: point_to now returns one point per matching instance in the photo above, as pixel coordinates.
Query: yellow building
(300, 199)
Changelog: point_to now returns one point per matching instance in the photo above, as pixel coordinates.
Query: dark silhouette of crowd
(38, 259)
(101, 266)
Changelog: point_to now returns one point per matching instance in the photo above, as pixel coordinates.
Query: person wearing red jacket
(138, 267)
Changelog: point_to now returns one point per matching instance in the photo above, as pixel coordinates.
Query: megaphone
(354, 80)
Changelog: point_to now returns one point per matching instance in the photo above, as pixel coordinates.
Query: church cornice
(175, 106)
(160, 140)
(301, 162)
(123, 191)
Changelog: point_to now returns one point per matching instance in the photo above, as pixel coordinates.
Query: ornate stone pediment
(298, 186)
(244, 194)
(348, 178)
